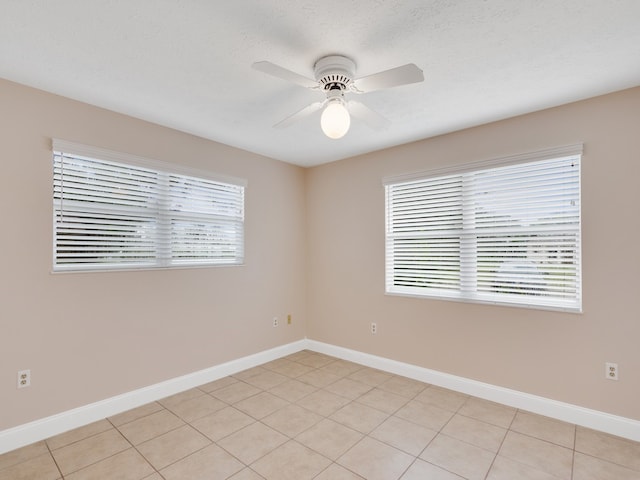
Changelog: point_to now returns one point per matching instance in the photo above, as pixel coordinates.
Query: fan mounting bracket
(335, 72)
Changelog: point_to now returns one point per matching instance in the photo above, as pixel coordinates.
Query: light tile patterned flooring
(310, 416)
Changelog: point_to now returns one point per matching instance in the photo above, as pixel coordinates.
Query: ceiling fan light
(335, 120)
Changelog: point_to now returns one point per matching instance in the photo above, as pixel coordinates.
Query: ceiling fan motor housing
(335, 72)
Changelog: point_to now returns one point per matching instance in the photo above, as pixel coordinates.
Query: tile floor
(310, 416)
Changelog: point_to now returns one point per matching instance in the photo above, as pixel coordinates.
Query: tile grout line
(327, 417)
(415, 457)
(134, 447)
(573, 458)
(366, 435)
(83, 439)
(409, 399)
(440, 432)
(54, 459)
(507, 430)
(168, 431)
(256, 420)
(323, 417)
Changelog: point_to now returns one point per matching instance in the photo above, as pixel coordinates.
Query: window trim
(457, 295)
(136, 160)
(166, 169)
(547, 154)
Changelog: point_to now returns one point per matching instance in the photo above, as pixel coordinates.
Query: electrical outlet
(611, 371)
(374, 328)
(289, 319)
(275, 321)
(24, 378)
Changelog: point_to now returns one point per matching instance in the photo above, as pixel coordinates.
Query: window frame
(169, 177)
(470, 294)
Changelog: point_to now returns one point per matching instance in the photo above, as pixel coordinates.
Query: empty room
(340, 240)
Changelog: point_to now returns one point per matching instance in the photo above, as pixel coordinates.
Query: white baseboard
(35, 431)
(604, 422)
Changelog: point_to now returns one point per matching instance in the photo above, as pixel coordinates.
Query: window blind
(508, 234)
(114, 215)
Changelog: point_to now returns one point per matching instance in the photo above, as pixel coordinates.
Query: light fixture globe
(335, 120)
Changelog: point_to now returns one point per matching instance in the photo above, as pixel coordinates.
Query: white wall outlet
(275, 321)
(24, 378)
(374, 328)
(611, 370)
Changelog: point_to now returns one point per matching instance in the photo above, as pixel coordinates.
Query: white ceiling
(186, 64)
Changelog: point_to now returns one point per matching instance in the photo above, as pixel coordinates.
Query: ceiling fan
(335, 76)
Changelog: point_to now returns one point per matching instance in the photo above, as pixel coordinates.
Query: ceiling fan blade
(394, 77)
(306, 111)
(284, 74)
(368, 116)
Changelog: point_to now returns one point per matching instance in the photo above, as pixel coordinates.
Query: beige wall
(556, 355)
(90, 336)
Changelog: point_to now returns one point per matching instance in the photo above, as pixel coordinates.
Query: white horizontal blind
(207, 221)
(508, 234)
(112, 215)
(424, 228)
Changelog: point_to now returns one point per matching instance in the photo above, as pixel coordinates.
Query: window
(115, 211)
(505, 231)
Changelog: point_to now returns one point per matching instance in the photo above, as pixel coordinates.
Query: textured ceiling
(186, 64)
